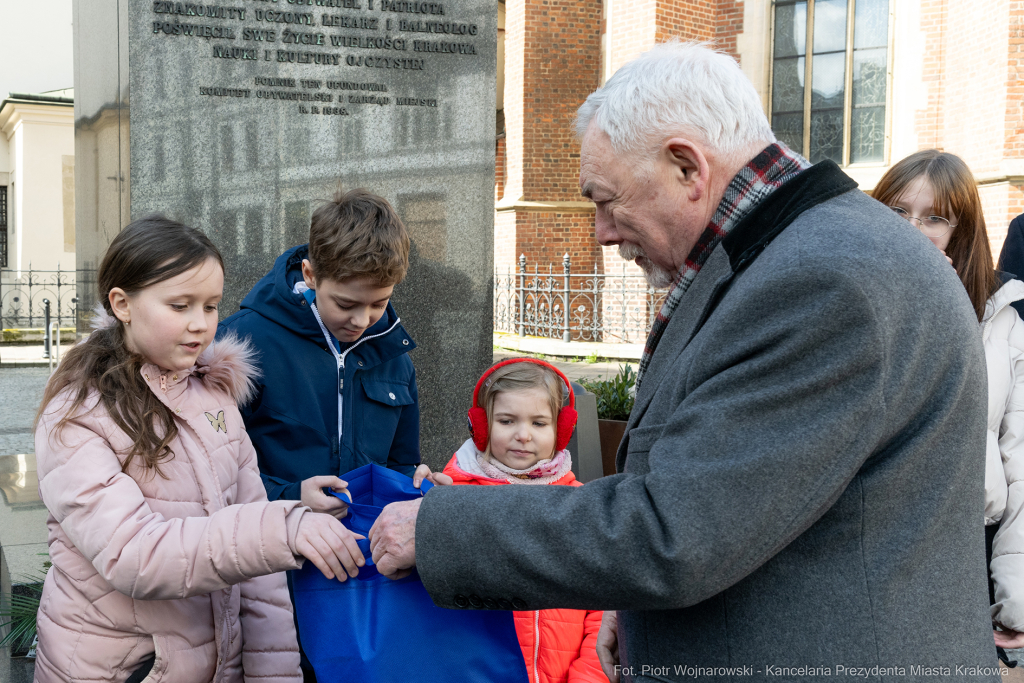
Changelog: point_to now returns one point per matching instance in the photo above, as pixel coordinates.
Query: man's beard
(657, 277)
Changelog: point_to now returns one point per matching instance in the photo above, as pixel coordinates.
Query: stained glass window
(830, 103)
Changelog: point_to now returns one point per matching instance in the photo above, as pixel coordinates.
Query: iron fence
(22, 294)
(583, 306)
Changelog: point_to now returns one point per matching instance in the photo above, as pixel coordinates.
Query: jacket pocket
(638, 447)
(379, 417)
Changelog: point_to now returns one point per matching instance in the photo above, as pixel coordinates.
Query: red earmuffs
(566, 422)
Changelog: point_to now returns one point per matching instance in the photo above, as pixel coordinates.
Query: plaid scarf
(763, 175)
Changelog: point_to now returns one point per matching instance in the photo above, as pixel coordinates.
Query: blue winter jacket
(293, 421)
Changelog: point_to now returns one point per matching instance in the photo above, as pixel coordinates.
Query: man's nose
(604, 229)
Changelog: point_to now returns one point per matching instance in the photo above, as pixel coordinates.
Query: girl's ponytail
(148, 251)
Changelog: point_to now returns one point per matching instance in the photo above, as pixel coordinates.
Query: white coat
(1003, 336)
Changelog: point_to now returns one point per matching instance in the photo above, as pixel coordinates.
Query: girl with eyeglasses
(937, 193)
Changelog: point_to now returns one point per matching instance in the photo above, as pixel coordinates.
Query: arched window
(829, 102)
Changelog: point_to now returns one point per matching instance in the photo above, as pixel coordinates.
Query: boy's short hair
(358, 235)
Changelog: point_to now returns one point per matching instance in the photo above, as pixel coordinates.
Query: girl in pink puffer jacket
(167, 557)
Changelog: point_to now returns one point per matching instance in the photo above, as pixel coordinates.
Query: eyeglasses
(931, 226)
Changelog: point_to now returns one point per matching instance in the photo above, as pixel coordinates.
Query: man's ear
(307, 274)
(690, 165)
(120, 305)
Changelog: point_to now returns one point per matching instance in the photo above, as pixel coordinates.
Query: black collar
(757, 229)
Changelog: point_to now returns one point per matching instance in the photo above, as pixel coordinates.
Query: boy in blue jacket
(338, 389)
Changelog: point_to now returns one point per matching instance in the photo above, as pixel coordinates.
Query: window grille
(830, 78)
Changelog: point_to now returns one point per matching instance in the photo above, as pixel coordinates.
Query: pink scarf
(543, 472)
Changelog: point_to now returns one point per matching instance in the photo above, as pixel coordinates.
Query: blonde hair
(518, 377)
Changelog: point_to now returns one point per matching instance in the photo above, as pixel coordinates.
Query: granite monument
(236, 117)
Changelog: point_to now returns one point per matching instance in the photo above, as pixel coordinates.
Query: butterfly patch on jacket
(217, 422)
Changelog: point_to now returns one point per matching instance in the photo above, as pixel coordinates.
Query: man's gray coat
(802, 477)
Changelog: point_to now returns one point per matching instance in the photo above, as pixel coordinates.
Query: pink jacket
(188, 566)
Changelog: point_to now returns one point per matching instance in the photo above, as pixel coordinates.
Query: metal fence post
(47, 338)
(522, 295)
(30, 317)
(565, 299)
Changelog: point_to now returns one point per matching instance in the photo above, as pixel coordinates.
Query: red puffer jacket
(559, 645)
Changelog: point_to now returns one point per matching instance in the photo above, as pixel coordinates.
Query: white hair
(673, 88)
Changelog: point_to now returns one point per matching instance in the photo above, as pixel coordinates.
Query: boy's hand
(437, 478)
(318, 501)
(323, 540)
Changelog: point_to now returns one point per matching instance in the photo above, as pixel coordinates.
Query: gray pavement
(573, 369)
(21, 390)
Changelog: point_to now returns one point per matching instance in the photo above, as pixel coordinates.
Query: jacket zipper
(340, 358)
(536, 645)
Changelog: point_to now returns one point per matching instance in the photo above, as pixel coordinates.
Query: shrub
(614, 396)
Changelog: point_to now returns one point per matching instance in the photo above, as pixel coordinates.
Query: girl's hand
(947, 258)
(316, 500)
(437, 478)
(1008, 640)
(608, 646)
(323, 540)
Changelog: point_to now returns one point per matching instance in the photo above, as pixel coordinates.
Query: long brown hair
(956, 197)
(148, 251)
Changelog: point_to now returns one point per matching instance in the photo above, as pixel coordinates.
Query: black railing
(575, 306)
(22, 294)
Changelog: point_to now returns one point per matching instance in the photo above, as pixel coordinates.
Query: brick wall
(500, 171)
(728, 25)
(974, 75)
(685, 19)
(561, 66)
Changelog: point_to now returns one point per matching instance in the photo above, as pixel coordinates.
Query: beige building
(37, 182)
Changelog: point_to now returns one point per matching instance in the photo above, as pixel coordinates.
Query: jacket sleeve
(587, 667)
(1007, 564)
(782, 407)
(138, 551)
(270, 648)
(1011, 257)
(404, 455)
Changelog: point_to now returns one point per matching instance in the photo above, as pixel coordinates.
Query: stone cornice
(15, 111)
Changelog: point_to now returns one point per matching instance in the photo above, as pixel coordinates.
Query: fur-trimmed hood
(227, 365)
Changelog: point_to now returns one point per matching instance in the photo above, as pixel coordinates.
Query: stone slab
(241, 122)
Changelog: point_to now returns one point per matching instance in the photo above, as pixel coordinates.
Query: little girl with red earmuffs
(520, 433)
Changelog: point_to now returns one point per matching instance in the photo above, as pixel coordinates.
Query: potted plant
(19, 614)
(614, 402)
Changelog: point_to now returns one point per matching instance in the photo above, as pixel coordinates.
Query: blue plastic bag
(375, 630)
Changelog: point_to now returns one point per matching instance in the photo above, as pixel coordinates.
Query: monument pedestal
(238, 118)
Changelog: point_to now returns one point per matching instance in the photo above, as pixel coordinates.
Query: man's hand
(1008, 640)
(608, 646)
(393, 539)
(437, 478)
(323, 540)
(316, 500)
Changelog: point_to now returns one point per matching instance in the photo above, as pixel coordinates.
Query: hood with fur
(227, 365)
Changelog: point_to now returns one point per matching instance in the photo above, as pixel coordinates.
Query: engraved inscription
(345, 21)
(282, 31)
(196, 30)
(188, 9)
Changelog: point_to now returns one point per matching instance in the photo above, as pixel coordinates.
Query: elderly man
(800, 487)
